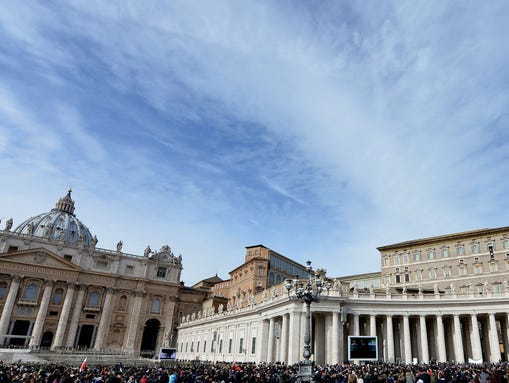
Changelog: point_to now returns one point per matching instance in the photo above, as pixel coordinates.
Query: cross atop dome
(66, 204)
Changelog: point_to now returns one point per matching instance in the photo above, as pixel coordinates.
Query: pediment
(38, 257)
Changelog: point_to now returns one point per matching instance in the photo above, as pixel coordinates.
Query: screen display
(362, 348)
(168, 353)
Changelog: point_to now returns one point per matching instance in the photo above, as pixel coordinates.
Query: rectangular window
(129, 269)
(445, 253)
(497, 288)
(493, 266)
(447, 272)
(460, 250)
(398, 278)
(433, 273)
(198, 346)
(205, 346)
(417, 257)
(230, 345)
(253, 345)
(477, 269)
(220, 345)
(405, 258)
(431, 254)
(505, 243)
(475, 248)
(101, 264)
(161, 272)
(396, 259)
(407, 277)
(462, 270)
(241, 345)
(68, 257)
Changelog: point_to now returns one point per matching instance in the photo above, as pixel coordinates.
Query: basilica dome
(60, 224)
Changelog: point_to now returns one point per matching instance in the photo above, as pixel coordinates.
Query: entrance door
(20, 330)
(149, 339)
(85, 337)
(46, 339)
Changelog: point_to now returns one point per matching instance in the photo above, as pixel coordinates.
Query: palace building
(58, 290)
(443, 298)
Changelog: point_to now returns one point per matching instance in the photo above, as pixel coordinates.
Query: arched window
(93, 299)
(57, 297)
(155, 308)
(30, 293)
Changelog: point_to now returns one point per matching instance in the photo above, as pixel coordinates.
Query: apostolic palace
(443, 298)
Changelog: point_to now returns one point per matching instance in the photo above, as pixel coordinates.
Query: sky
(320, 129)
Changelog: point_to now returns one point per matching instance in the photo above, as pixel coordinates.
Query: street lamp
(307, 293)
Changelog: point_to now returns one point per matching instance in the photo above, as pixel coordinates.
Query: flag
(83, 365)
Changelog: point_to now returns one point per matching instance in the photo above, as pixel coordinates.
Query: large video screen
(362, 348)
(168, 354)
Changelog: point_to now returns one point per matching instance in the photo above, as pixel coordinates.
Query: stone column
(64, 315)
(475, 338)
(104, 324)
(284, 340)
(294, 338)
(132, 331)
(494, 345)
(390, 339)
(355, 329)
(424, 339)
(8, 306)
(458, 341)
(270, 346)
(372, 325)
(41, 315)
(407, 339)
(335, 338)
(76, 314)
(168, 322)
(441, 339)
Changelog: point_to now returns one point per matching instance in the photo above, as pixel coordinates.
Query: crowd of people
(193, 372)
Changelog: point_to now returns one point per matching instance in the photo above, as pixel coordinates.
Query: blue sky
(321, 129)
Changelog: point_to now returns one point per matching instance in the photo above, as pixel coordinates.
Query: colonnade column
(104, 324)
(424, 339)
(284, 339)
(335, 338)
(133, 323)
(458, 341)
(355, 329)
(441, 339)
(8, 306)
(294, 338)
(41, 315)
(494, 345)
(270, 346)
(406, 339)
(372, 325)
(475, 338)
(64, 315)
(75, 319)
(390, 339)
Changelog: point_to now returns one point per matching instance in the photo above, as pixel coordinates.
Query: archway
(149, 339)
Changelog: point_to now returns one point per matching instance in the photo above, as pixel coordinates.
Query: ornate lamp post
(307, 292)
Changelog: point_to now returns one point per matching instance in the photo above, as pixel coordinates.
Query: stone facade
(58, 290)
(457, 313)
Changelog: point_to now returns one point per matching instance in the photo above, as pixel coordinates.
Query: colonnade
(404, 335)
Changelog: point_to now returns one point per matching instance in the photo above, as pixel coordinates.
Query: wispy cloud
(321, 129)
